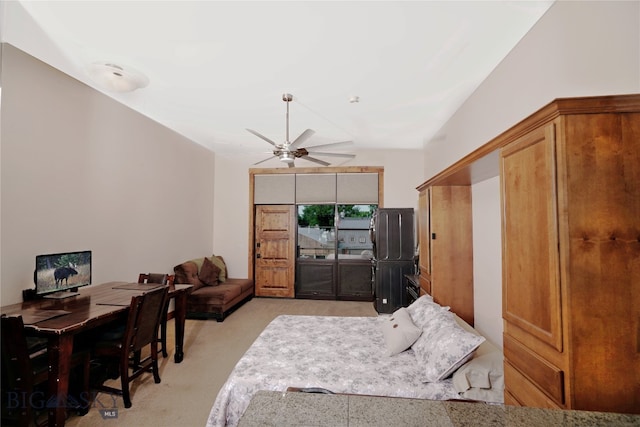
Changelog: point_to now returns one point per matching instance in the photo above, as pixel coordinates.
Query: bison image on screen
(62, 271)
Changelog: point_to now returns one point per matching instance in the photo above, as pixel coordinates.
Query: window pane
(354, 241)
(316, 231)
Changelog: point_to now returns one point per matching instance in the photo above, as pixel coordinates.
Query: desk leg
(180, 314)
(59, 350)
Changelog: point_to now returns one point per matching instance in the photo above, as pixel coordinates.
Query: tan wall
(402, 174)
(81, 171)
(576, 49)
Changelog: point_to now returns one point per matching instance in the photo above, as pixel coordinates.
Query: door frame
(313, 170)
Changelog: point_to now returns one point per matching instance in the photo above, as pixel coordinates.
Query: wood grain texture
(577, 214)
(530, 265)
(451, 249)
(275, 250)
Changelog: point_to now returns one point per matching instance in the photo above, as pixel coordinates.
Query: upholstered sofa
(214, 294)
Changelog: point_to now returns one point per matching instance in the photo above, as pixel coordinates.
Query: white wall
(81, 171)
(576, 49)
(580, 48)
(403, 172)
(487, 248)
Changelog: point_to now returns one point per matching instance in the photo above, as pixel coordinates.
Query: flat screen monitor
(59, 275)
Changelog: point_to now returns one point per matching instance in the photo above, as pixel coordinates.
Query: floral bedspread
(341, 354)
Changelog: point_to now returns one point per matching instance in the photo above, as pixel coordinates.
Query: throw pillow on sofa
(209, 273)
(187, 272)
(219, 262)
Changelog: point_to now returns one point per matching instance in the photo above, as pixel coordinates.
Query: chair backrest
(144, 318)
(17, 371)
(153, 278)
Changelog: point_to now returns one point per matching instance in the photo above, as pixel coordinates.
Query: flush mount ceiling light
(117, 78)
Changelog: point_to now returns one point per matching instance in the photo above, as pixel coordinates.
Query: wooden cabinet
(570, 183)
(316, 279)
(355, 280)
(446, 246)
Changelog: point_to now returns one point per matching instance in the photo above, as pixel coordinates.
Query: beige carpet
(188, 390)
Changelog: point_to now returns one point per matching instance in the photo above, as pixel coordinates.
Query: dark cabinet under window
(315, 279)
(355, 280)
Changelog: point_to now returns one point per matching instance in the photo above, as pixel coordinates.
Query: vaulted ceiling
(384, 74)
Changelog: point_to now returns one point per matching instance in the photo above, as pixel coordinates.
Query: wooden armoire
(570, 195)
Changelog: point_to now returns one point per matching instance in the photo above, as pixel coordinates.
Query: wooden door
(530, 259)
(275, 228)
(451, 246)
(424, 241)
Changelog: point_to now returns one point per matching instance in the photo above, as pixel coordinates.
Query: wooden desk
(94, 306)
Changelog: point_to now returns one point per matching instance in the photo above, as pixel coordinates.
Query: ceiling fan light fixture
(287, 157)
(116, 78)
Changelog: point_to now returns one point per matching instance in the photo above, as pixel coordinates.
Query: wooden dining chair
(163, 279)
(25, 374)
(141, 331)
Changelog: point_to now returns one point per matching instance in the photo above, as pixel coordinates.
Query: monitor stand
(61, 295)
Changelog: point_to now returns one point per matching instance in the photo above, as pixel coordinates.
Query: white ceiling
(216, 67)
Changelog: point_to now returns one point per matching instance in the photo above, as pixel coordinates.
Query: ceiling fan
(288, 151)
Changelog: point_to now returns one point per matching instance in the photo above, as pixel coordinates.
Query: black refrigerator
(392, 234)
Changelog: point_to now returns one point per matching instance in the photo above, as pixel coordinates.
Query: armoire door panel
(423, 236)
(548, 377)
(531, 275)
(522, 392)
(451, 249)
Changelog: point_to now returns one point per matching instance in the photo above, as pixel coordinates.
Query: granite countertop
(273, 408)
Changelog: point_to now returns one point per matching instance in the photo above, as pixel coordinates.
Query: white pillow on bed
(443, 347)
(399, 332)
(423, 310)
(481, 378)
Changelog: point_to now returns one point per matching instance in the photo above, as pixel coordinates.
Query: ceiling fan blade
(320, 153)
(262, 161)
(321, 162)
(303, 137)
(333, 144)
(263, 137)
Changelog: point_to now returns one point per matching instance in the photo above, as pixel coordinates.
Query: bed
(358, 355)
